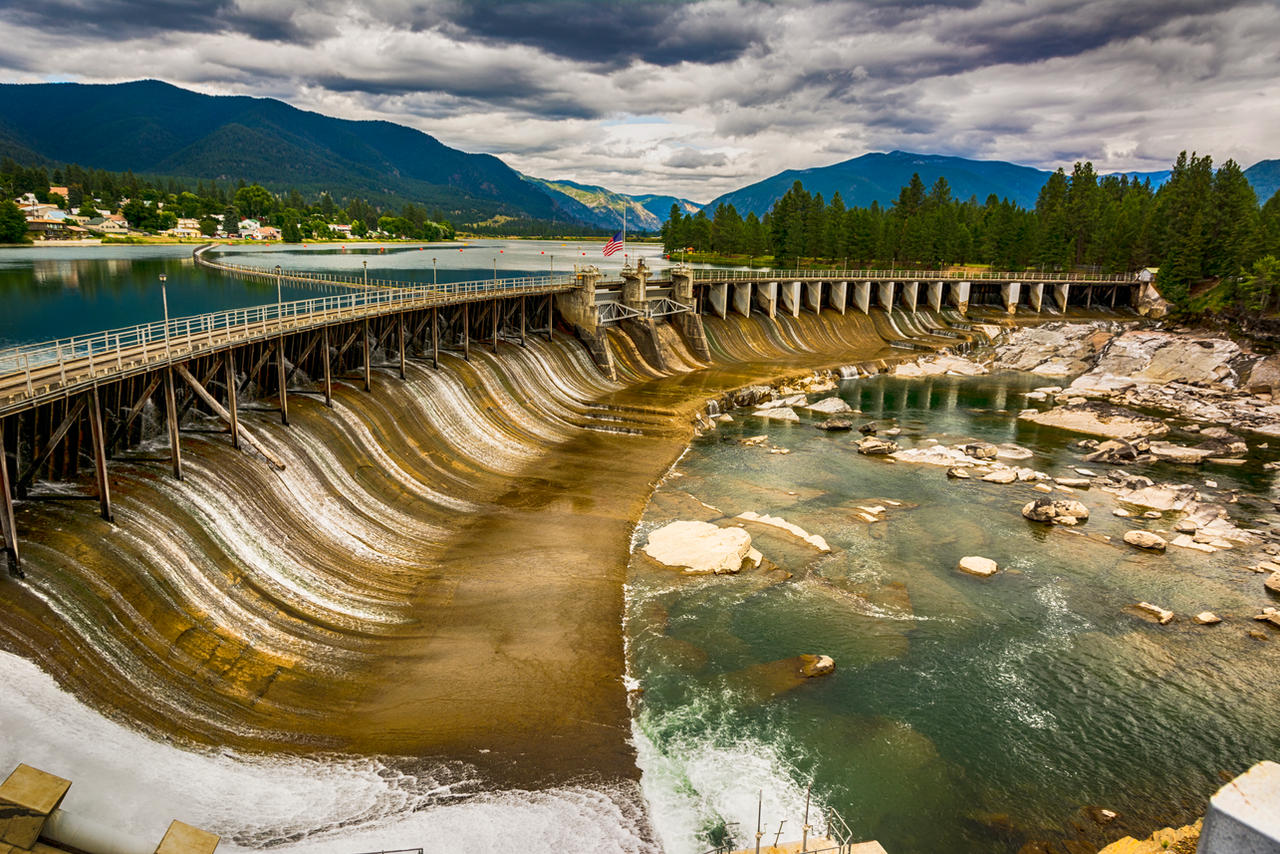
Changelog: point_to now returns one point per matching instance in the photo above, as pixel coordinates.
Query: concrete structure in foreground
(32, 822)
(1244, 815)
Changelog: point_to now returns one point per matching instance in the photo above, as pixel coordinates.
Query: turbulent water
(413, 634)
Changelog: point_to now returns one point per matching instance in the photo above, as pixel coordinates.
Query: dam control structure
(69, 404)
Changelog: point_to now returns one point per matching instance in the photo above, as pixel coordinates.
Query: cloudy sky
(700, 97)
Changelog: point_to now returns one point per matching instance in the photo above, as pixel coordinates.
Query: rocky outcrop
(1058, 512)
(833, 425)
(939, 365)
(828, 406)
(1163, 616)
(778, 413)
(1053, 349)
(699, 548)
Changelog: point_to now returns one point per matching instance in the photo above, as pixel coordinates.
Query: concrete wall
(813, 296)
(1244, 815)
(789, 293)
(838, 296)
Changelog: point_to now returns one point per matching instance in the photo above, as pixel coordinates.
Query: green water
(965, 714)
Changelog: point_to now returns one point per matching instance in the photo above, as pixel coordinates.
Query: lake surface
(965, 714)
(60, 291)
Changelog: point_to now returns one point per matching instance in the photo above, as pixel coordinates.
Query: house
(186, 228)
(39, 210)
(1148, 274)
(268, 232)
(341, 230)
(61, 191)
(249, 228)
(107, 225)
(44, 228)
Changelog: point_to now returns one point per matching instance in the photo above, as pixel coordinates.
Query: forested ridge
(1202, 224)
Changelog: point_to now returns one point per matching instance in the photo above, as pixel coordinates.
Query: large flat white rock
(699, 547)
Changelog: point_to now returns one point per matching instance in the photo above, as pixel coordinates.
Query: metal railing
(48, 368)
(702, 274)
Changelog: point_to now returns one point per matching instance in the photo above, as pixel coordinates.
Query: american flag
(614, 244)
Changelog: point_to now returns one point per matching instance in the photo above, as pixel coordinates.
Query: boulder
(1145, 540)
(1163, 616)
(975, 565)
(981, 450)
(1207, 618)
(958, 473)
(1273, 583)
(752, 395)
(828, 406)
(699, 548)
(782, 524)
(1169, 453)
(868, 429)
(780, 413)
(872, 446)
(816, 665)
(1073, 482)
(1061, 512)
(1185, 526)
(835, 424)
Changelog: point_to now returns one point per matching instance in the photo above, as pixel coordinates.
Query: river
(964, 714)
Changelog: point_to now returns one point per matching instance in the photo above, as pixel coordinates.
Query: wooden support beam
(257, 366)
(123, 428)
(229, 364)
(435, 340)
(466, 331)
(400, 335)
(7, 525)
(282, 381)
(328, 379)
(222, 413)
(522, 319)
(55, 439)
(191, 400)
(171, 417)
(99, 453)
(301, 360)
(368, 368)
(551, 332)
(494, 309)
(417, 333)
(351, 339)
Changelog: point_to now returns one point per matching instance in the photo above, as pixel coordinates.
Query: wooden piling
(99, 453)
(400, 335)
(522, 319)
(283, 382)
(229, 362)
(435, 339)
(10, 528)
(493, 307)
(328, 380)
(551, 301)
(171, 417)
(466, 331)
(368, 367)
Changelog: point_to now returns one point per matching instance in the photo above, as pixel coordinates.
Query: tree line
(156, 204)
(1200, 224)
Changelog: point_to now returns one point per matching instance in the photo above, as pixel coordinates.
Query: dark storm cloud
(698, 96)
(610, 32)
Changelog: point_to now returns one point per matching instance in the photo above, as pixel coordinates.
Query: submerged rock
(1162, 615)
(1206, 618)
(1272, 583)
(835, 424)
(778, 522)
(828, 405)
(779, 413)
(700, 548)
(816, 665)
(1166, 452)
(868, 429)
(1061, 512)
(958, 473)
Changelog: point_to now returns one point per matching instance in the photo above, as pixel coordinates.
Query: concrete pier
(1244, 815)
(960, 296)
(838, 296)
(718, 299)
(862, 296)
(910, 295)
(933, 291)
(767, 298)
(789, 292)
(1009, 295)
(1060, 292)
(1035, 295)
(884, 295)
(742, 298)
(813, 296)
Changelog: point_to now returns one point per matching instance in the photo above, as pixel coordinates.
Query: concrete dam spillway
(435, 569)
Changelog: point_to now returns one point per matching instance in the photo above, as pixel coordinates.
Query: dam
(416, 565)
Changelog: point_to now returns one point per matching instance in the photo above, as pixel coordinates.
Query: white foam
(125, 780)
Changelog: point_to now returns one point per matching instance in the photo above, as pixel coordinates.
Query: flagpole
(624, 234)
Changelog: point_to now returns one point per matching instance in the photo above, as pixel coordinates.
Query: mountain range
(153, 128)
